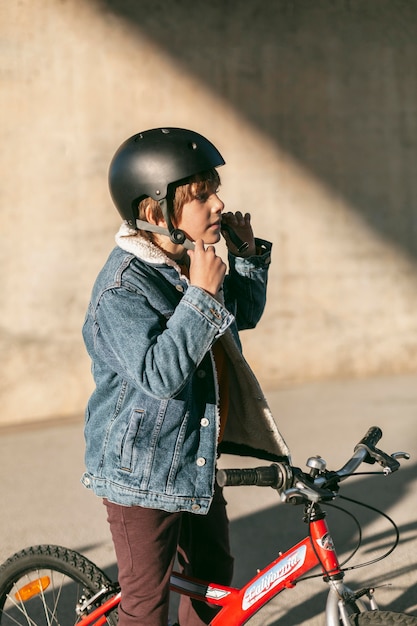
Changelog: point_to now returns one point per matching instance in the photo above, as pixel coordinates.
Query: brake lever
(401, 455)
(302, 492)
(394, 463)
(388, 462)
(299, 496)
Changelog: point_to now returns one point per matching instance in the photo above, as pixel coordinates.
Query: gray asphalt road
(43, 501)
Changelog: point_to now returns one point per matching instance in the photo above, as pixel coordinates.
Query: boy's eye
(202, 197)
(205, 195)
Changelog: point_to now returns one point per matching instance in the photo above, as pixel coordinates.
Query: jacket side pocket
(129, 440)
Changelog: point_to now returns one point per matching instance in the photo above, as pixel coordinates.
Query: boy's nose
(218, 205)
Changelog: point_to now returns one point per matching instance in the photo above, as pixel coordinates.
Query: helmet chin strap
(176, 235)
(153, 228)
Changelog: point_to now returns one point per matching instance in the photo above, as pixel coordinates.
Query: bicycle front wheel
(49, 586)
(382, 618)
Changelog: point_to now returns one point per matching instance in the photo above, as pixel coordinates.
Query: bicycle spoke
(47, 585)
(47, 600)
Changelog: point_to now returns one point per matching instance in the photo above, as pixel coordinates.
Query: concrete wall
(313, 104)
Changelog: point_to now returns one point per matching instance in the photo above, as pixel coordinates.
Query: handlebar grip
(373, 455)
(371, 438)
(269, 476)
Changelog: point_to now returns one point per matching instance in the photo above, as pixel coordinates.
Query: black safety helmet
(147, 163)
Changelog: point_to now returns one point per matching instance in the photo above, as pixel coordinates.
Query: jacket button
(195, 507)
(204, 422)
(179, 288)
(201, 373)
(201, 461)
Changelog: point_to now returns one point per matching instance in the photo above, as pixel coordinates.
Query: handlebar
(296, 486)
(275, 475)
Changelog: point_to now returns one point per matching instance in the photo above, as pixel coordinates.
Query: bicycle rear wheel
(48, 585)
(382, 618)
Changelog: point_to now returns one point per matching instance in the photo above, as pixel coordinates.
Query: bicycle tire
(383, 618)
(61, 579)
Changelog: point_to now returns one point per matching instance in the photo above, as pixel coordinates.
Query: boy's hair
(181, 192)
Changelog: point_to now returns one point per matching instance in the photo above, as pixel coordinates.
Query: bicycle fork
(341, 601)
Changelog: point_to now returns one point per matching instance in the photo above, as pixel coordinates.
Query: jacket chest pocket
(129, 441)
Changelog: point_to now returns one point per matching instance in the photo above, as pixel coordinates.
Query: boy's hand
(207, 270)
(243, 229)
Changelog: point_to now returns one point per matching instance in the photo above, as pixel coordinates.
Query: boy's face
(201, 217)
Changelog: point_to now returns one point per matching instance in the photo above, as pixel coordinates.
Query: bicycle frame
(96, 596)
(238, 605)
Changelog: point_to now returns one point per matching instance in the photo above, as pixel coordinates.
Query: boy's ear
(149, 216)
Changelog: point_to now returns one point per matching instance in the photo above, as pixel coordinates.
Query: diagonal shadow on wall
(333, 83)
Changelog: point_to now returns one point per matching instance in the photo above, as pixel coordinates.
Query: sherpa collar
(131, 241)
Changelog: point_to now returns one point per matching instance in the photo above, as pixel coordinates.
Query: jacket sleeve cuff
(209, 308)
(262, 258)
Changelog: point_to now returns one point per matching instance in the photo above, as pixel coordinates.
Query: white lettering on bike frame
(273, 577)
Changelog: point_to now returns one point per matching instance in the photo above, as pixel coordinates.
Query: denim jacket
(152, 423)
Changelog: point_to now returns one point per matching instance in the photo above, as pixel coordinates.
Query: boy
(172, 387)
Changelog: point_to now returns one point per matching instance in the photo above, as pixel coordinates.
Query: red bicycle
(51, 585)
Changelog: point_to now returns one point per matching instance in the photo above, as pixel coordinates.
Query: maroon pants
(147, 541)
